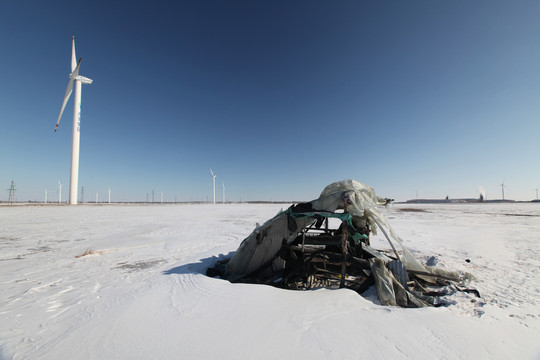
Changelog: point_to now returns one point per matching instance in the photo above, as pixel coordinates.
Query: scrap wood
(440, 276)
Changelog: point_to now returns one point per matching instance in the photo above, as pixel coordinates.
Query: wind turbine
(214, 183)
(224, 192)
(502, 189)
(59, 192)
(79, 80)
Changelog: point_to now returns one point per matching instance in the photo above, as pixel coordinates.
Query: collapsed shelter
(298, 249)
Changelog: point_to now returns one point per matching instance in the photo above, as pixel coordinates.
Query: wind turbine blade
(73, 57)
(66, 98)
(75, 72)
(69, 89)
(211, 172)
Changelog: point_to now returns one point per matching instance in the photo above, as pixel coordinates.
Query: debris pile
(298, 249)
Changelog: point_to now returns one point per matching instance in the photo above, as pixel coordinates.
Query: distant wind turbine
(214, 183)
(502, 189)
(224, 192)
(59, 192)
(79, 80)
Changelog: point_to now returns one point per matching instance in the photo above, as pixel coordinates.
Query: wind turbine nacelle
(84, 80)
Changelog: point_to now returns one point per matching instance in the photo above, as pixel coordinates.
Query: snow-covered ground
(141, 292)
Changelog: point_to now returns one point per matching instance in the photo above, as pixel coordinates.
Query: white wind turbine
(79, 80)
(224, 192)
(59, 192)
(214, 183)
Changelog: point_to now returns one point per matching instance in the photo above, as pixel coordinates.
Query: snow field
(141, 293)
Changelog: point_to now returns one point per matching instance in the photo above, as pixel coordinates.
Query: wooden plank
(425, 273)
(344, 252)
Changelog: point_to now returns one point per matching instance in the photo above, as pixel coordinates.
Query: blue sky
(280, 98)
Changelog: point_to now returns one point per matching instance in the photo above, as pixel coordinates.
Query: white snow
(141, 293)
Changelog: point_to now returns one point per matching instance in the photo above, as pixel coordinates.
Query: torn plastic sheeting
(391, 291)
(399, 272)
(383, 282)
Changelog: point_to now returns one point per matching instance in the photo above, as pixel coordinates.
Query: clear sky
(279, 98)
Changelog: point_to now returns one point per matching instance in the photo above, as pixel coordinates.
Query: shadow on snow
(199, 267)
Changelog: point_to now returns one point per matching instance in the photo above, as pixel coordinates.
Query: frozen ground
(140, 293)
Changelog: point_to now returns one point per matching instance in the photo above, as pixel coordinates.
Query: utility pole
(82, 194)
(11, 193)
(152, 196)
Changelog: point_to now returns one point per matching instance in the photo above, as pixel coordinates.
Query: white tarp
(354, 197)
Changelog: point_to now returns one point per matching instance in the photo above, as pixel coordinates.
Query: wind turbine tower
(74, 77)
(214, 183)
(224, 192)
(59, 192)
